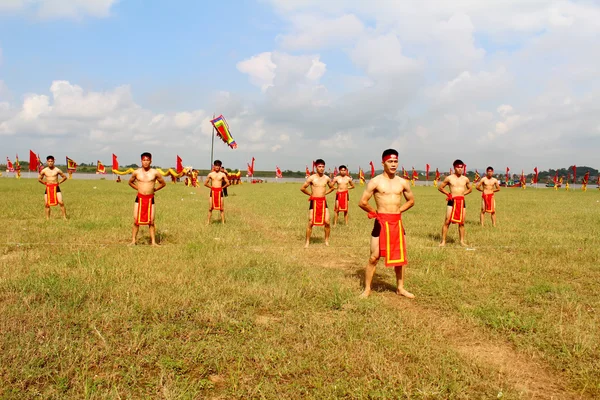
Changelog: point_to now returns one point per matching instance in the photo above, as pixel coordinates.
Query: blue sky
(512, 82)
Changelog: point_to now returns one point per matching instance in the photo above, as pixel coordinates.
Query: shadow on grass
(378, 284)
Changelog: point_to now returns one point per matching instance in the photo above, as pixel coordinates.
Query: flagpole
(212, 145)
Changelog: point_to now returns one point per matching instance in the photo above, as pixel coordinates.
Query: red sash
(217, 196)
(52, 194)
(342, 198)
(488, 199)
(392, 243)
(318, 216)
(458, 210)
(144, 209)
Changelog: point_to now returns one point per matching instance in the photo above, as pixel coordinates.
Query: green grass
(242, 311)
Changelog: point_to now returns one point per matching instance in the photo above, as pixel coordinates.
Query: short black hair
(489, 169)
(218, 163)
(343, 167)
(146, 154)
(49, 158)
(389, 152)
(319, 161)
(457, 162)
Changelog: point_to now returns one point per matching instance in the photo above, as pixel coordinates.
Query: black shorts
(138, 200)
(376, 232)
(310, 206)
(451, 203)
(57, 190)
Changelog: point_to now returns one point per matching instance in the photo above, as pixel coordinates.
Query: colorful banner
(115, 163)
(372, 169)
(415, 174)
(100, 168)
(335, 172)
(9, 165)
(179, 167)
(427, 172)
(574, 174)
(535, 178)
(223, 131)
(361, 176)
(278, 173)
(71, 165)
(307, 172)
(507, 175)
(477, 177)
(33, 161)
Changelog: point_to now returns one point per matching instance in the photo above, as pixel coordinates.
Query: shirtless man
(387, 237)
(318, 213)
(460, 186)
(218, 181)
(223, 170)
(144, 181)
(52, 195)
(344, 183)
(488, 186)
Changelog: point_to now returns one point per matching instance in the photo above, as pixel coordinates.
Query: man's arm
(64, 177)
(409, 196)
(208, 178)
(132, 181)
(478, 186)
(469, 187)
(331, 184)
(366, 196)
(350, 184)
(161, 182)
(41, 177)
(496, 186)
(443, 185)
(306, 185)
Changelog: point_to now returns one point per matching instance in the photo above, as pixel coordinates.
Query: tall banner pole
(212, 146)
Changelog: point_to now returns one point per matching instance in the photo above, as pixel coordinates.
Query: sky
(512, 83)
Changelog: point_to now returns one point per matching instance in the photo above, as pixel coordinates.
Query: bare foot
(155, 245)
(306, 245)
(405, 293)
(326, 243)
(463, 244)
(131, 244)
(442, 244)
(365, 294)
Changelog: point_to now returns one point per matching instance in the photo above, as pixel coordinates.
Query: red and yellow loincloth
(488, 200)
(457, 216)
(217, 198)
(51, 194)
(319, 206)
(144, 214)
(342, 199)
(392, 242)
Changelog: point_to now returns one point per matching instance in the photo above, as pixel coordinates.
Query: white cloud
(315, 32)
(55, 9)
(260, 68)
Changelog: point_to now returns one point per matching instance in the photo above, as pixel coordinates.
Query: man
(218, 181)
(52, 195)
(488, 186)
(344, 183)
(460, 186)
(387, 238)
(318, 213)
(223, 170)
(144, 181)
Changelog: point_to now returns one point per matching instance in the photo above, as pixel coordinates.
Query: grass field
(243, 311)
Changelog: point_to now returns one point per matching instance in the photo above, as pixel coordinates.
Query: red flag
(535, 180)
(71, 165)
(372, 169)
(555, 179)
(522, 177)
(100, 169)
(426, 172)
(586, 178)
(9, 165)
(574, 174)
(32, 161)
(361, 176)
(252, 166)
(179, 167)
(437, 175)
(335, 172)
(40, 164)
(307, 172)
(415, 175)
(278, 173)
(17, 165)
(115, 163)
(248, 170)
(507, 176)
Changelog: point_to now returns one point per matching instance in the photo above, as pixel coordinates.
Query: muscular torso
(145, 180)
(318, 185)
(342, 182)
(217, 179)
(51, 175)
(488, 185)
(388, 194)
(458, 184)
